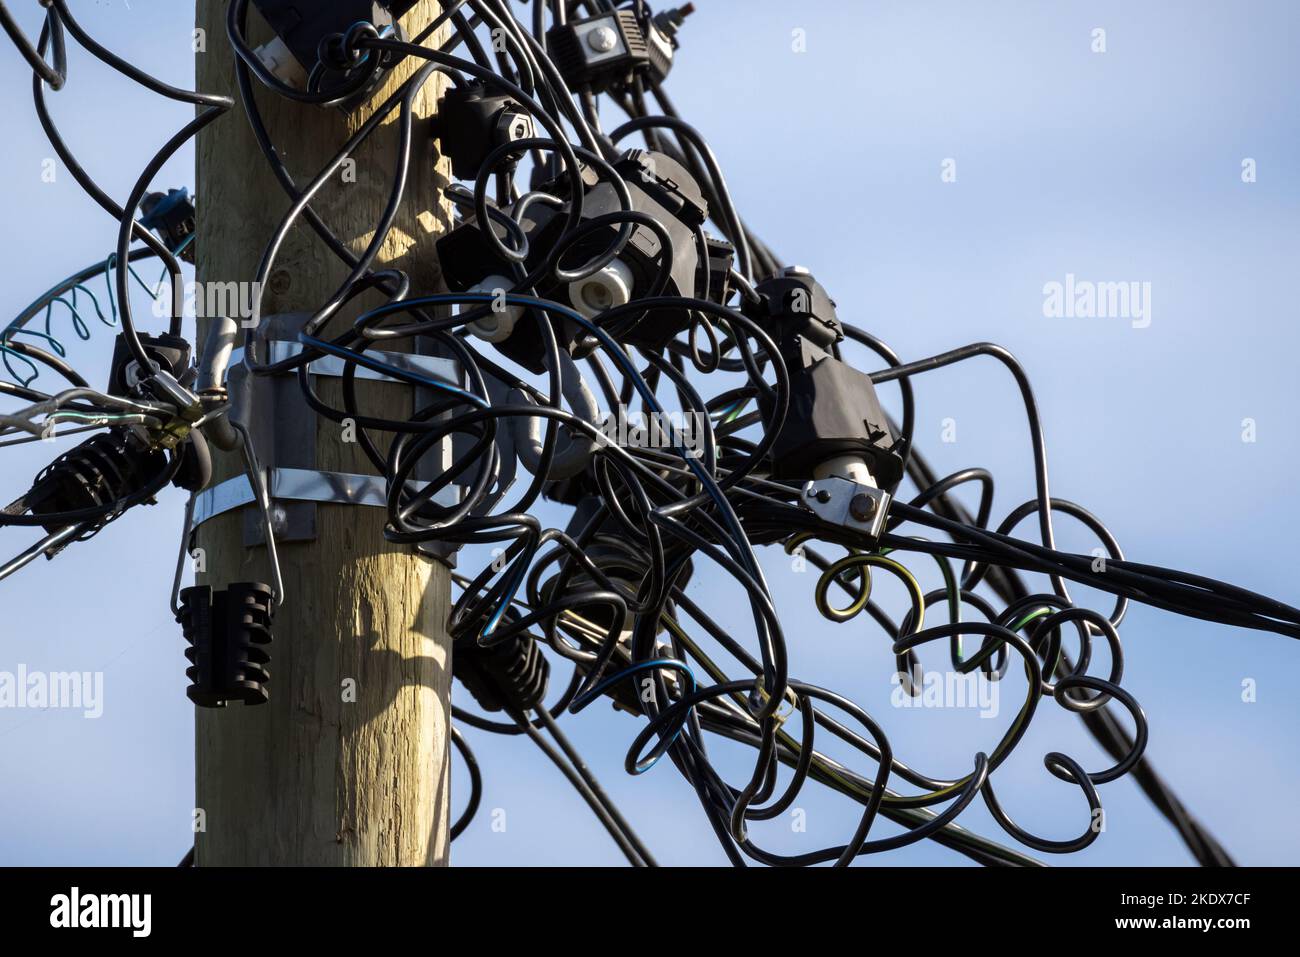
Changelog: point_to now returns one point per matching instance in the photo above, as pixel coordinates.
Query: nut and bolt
(602, 39)
(862, 507)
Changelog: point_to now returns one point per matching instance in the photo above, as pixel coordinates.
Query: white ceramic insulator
(497, 325)
(850, 467)
(606, 289)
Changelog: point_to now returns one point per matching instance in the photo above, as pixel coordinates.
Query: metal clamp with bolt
(842, 501)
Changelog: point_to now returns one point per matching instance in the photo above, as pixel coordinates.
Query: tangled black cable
(602, 271)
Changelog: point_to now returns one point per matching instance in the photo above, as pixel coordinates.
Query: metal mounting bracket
(301, 485)
(284, 429)
(851, 504)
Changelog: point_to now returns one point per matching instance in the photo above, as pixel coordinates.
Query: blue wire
(7, 352)
(79, 324)
(80, 287)
(588, 697)
(58, 348)
(521, 564)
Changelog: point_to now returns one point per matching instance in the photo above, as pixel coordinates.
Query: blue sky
(1117, 166)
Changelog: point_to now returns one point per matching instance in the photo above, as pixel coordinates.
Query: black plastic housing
(834, 409)
(661, 38)
(172, 353)
(172, 216)
(302, 24)
(584, 65)
(471, 122)
(713, 275)
(621, 561)
(796, 306)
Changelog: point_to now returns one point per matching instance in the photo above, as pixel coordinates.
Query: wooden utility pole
(312, 778)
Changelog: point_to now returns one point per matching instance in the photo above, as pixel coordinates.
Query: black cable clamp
(511, 674)
(227, 631)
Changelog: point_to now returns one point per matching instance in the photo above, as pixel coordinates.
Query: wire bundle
(608, 594)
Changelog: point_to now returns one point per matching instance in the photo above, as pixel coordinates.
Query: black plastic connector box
(170, 353)
(834, 410)
(472, 121)
(713, 274)
(794, 306)
(172, 216)
(302, 24)
(599, 52)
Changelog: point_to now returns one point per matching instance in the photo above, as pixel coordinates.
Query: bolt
(602, 39)
(822, 495)
(862, 507)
